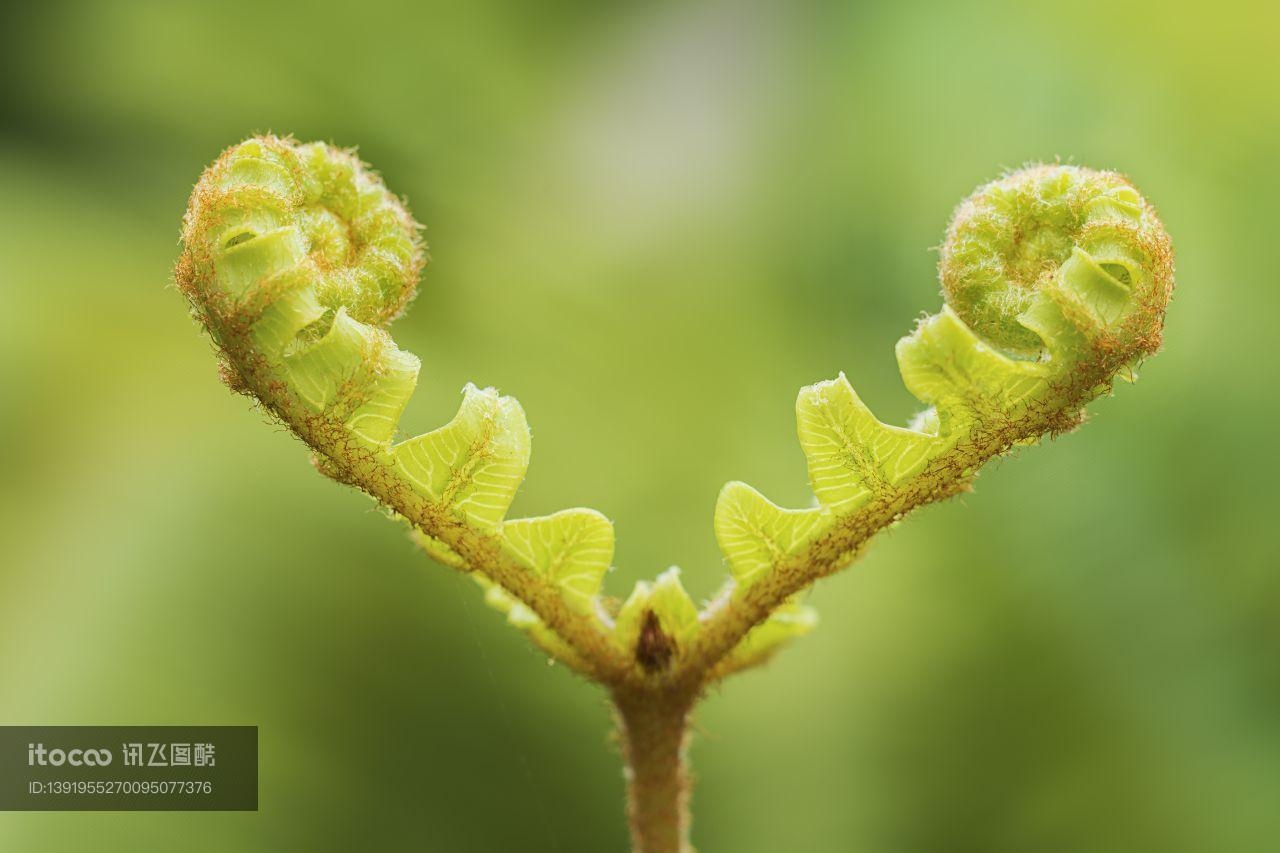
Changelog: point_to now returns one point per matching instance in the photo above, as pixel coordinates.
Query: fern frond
(1067, 273)
(295, 259)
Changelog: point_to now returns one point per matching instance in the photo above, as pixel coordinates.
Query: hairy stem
(730, 619)
(372, 472)
(296, 258)
(654, 729)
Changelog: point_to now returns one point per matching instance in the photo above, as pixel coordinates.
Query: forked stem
(654, 729)
(296, 258)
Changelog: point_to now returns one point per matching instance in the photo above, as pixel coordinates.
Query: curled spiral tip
(1078, 244)
(272, 216)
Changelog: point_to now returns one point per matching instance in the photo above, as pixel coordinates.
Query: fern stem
(296, 258)
(368, 471)
(654, 730)
(728, 621)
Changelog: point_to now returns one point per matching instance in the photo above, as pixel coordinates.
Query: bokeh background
(652, 223)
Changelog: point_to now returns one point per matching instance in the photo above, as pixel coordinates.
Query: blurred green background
(652, 223)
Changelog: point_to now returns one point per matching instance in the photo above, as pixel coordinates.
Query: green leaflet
(577, 537)
(520, 616)
(437, 550)
(243, 264)
(284, 317)
(676, 612)
(664, 600)
(783, 625)
(356, 364)
(1095, 288)
(851, 455)
(630, 618)
(474, 464)
(572, 548)
(1063, 339)
(257, 166)
(386, 395)
(319, 371)
(754, 534)
(944, 363)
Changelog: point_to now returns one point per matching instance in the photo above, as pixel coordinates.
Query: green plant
(296, 258)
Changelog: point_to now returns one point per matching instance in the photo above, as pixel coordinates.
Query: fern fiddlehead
(1056, 279)
(296, 258)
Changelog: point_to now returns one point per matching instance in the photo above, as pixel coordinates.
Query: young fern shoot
(296, 259)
